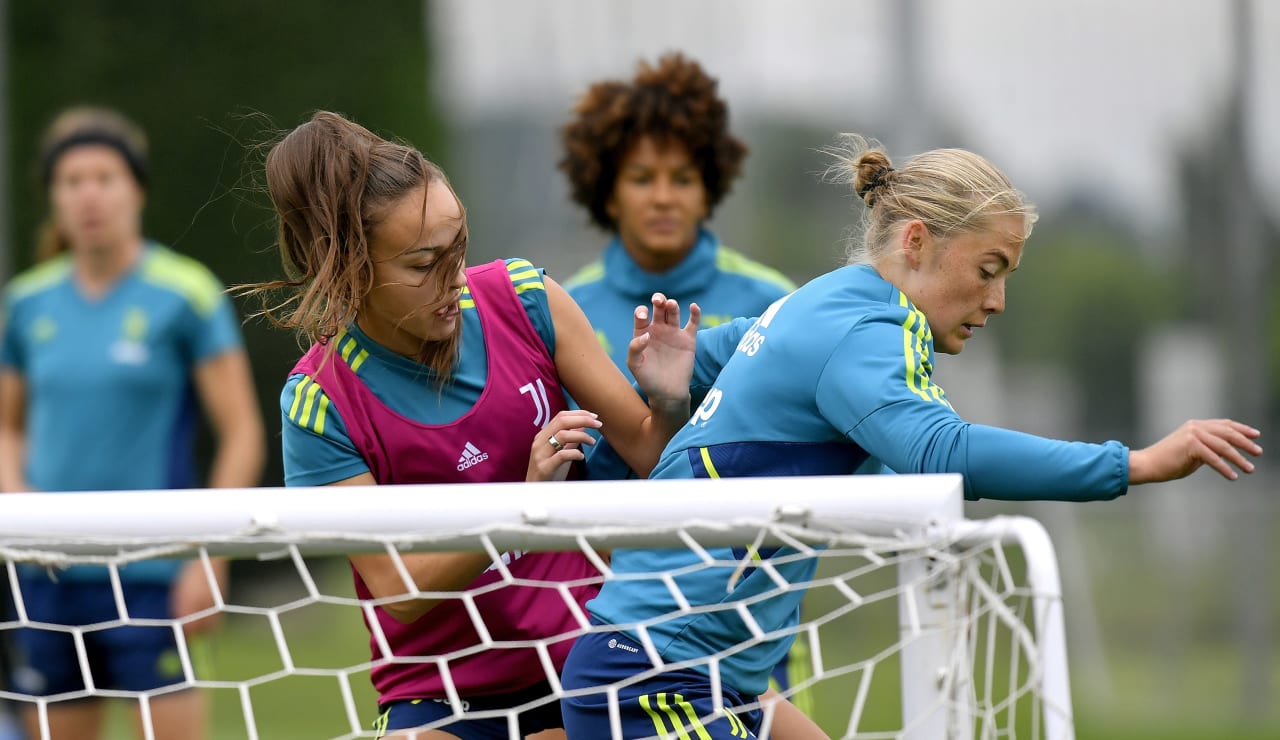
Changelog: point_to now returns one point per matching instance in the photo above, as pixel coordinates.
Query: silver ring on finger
(555, 443)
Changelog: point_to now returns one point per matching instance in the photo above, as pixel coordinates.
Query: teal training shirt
(723, 283)
(317, 449)
(835, 378)
(111, 403)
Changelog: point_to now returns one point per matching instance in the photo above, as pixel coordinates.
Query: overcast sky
(1060, 94)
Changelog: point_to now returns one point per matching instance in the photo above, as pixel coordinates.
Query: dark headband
(136, 160)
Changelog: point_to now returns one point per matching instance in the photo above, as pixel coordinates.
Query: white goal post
(979, 643)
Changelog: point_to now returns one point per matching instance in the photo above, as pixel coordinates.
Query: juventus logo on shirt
(542, 408)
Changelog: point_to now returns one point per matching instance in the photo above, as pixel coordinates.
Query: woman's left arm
(662, 354)
(225, 387)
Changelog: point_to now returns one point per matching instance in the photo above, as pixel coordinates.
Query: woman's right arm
(873, 390)
(13, 437)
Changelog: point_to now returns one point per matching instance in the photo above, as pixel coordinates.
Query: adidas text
(471, 456)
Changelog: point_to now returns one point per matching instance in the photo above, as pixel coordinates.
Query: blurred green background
(1171, 595)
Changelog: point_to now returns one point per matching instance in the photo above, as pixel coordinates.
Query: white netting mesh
(911, 627)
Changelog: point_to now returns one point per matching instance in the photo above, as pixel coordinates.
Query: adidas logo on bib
(471, 455)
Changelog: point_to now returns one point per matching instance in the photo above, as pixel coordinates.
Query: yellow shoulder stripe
(188, 278)
(43, 275)
(728, 260)
(590, 273)
(308, 397)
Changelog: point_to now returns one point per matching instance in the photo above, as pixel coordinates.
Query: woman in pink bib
(422, 370)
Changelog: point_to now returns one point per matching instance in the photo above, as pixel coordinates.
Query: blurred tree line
(210, 82)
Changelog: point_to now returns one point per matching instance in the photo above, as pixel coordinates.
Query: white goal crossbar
(118, 527)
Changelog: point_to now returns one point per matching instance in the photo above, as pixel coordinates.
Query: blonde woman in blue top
(110, 348)
(836, 378)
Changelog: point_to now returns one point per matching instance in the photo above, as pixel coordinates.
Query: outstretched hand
(660, 355)
(1218, 443)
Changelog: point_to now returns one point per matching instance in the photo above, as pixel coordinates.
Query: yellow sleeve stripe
(529, 286)
(312, 390)
(324, 406)
(361, 356)
(347, 348)
(916, 336)
(519, 264)
(909, 353)
(466, 303)
(308, 395)
(526, 275)
(297, 396)
(706, 462)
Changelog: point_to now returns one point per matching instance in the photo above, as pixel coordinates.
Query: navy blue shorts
(671, 704)
(402, 715)
(128, 658)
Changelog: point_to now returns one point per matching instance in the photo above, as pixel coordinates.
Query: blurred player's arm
(13, 435)
(225, 388)
(435, 571)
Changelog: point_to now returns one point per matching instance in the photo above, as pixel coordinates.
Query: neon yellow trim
(529, 286)
(908, 348)
(135, 323)
(603, 339)
(297, 397)
(589, 274)
(523, 275)
(306, 406)
(676, 724)
(201, 652)
(520, 264)
(466, 303)
(40, 277)
(43, 329)
(799, 670)
(706, 462)
(324, 406)
(188, 278)
(657, 719)
(735, 724)
(694, 722)
(360, 358)
(731, 261)
(346, 350)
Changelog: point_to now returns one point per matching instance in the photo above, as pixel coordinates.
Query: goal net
(918, 623)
